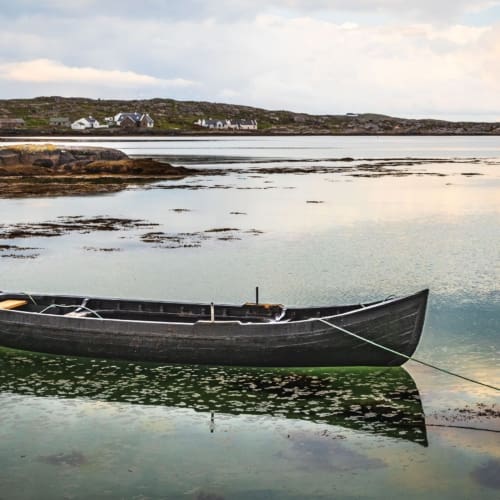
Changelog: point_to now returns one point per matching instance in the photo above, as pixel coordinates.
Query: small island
(49, 170)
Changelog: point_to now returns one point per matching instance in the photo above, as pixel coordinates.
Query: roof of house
(88, 119)
(208, 122)
(244, 121)
(126, 117)
(137, 117)
(214, 121)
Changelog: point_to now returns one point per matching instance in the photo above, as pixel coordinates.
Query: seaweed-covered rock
(49, 155)
(8, 157)
(65, 156)
(43, 162)
(27, 160)
(48, 170)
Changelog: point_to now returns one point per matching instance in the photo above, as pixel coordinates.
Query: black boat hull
(396, 324)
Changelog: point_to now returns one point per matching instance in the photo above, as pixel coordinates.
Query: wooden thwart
(263, 306)
(12, 304)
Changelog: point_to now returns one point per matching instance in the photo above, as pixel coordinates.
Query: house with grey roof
(59, 121)
(12, 123)
(244, 124)
(135, 119)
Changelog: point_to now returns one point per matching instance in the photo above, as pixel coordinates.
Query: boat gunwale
(202, 322)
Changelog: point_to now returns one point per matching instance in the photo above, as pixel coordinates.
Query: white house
(227, 124)
(84, 123)
(214, 124)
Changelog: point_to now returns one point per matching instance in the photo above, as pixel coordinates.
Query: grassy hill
(178, 117)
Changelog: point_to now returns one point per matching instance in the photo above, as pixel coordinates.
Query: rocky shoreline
(48, 170)
(357, 129)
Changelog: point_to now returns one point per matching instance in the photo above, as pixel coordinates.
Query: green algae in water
(377, 400)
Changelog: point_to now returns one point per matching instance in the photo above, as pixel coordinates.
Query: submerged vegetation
(83, 225)
(382, 401)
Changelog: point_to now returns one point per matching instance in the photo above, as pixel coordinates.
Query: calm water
(76, 428)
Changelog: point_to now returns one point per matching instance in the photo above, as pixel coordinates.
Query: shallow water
(91, 428)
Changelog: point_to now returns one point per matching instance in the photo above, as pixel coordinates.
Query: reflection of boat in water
(384, 401)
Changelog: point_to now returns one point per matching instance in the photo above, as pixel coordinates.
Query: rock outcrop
(50, 156)
(50, 160)
(48, 170)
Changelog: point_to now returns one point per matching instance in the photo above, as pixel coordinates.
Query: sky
(426, 58)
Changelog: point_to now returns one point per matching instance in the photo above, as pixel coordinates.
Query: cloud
(292, 57)
(47, 71)
(305, 64)
(242, 9)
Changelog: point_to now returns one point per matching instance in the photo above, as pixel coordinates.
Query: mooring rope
(462, 427)
(388, 349)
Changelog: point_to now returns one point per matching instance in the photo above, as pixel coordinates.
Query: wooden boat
(251, 334)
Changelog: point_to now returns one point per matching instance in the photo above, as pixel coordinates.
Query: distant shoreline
(52, 116)
(12, 134)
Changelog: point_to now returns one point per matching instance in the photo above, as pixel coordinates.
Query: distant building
(60, 122)
(225, 124)
(212, 123)
(244, 124)
(130, 120)
(12, 123)
(127, 121)
(85, 123)
(352, 115)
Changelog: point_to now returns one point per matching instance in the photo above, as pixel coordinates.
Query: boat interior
(172, 312)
